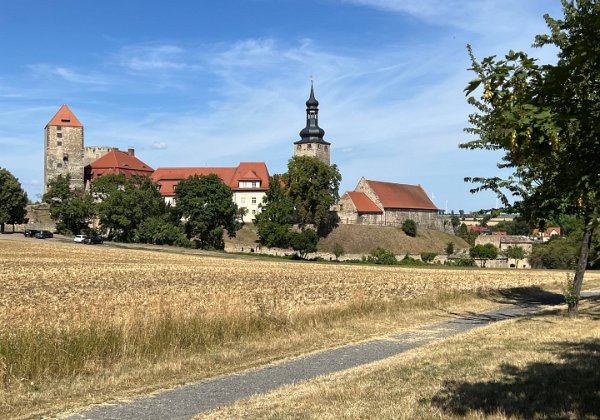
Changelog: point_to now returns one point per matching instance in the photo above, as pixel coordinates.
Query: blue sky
(213, 83)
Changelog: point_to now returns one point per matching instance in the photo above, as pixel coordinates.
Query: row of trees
(132, 210)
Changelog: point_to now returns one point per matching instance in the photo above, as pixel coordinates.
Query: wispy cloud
(165, 57)
(70, 75)
(159, 145)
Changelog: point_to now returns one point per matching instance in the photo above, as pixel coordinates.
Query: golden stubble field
(57, 284)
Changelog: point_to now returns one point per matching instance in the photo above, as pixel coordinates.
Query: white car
(79, 238)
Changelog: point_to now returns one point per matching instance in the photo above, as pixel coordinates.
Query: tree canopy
(73, 209)
(313, 187)
(13, 200)
(544, 119)
(207, 206)
(276, 216)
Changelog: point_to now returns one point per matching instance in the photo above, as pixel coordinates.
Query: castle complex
(372, 202)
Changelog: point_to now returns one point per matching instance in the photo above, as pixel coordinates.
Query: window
(298, 147)
(59, 135)
(253, 212)
(243, 200)
(58, 128)
(65, 157)
(59, 165)
(254, 184)
(309, 146)
(59, 143)
(253, 200)
(65, 121)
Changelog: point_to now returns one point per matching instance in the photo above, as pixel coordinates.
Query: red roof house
(117, 162)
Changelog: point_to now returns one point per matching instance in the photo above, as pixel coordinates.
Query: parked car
(30, 233)
(43, 234)
(93, 240)
(79, 239)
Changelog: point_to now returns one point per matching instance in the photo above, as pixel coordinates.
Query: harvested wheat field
(82, 324)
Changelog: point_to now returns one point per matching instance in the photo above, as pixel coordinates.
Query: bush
(428, 256)
(337, 250)
(461, 262)
(382, 256)
(409, 227)
(304, 242)
(450, 248)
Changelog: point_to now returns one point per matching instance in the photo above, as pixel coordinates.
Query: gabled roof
(65, 118)
(363, 203)
(168, 178)
(401, 196)
(122, 160)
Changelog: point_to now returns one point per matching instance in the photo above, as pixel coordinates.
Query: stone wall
(318, 150)
(91, 153)
(63, 154)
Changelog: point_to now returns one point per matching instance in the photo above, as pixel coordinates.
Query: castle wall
(63, 154)
(91, 153)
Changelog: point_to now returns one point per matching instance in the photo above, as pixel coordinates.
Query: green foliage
(466, 235)
(449, 248)
(13, 200)
(544, 119)
(159, 230)
(483, 253)
(313, 188)
(516, 253)
(337, 250)
(72, 209)
(461, 262)
(558, 253)
(304, 242)
(125, 204)
(455, 222)
(382, 256)
(207, 206)
(409, 227)
(517, 226)
(275, 218)
(428, 256)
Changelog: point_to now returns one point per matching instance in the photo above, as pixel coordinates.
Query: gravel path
(189, 400)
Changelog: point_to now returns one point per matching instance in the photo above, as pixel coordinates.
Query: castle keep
(311, 141)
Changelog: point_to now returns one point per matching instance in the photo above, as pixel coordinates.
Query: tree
(455, 222)
(313, 187)
(517, 253)
(409, 227)
(276, 216)
(126, 203)
(207, 206)
(544, 118)
(13, 200)
(449, 248)
(484, 253)
(338, 250)
(304, 242)
(73, 209)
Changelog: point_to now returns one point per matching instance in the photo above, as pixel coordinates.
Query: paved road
(189, 400)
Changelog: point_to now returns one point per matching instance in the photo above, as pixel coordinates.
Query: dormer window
(65, 121)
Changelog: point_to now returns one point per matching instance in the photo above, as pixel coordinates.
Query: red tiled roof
(120, 159)
(363, 203)
(401, 196)
(65, 118)
(245, 171)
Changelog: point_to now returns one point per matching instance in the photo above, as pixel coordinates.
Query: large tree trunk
(574, 294)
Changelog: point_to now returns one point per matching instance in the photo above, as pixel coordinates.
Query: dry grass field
(82, 324)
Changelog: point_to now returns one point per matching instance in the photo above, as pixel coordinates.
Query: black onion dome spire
(312, 133)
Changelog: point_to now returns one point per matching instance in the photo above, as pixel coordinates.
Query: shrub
(382, 256)
(304, 242)
(461, 262)
(409, 227)
(337, 250)
(428, 256)
(450, 248)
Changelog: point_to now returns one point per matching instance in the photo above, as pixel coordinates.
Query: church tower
(63, 148)
(311, 141)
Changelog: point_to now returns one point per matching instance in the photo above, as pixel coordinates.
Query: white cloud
(159, 145)
(45, 70)
(153, 57)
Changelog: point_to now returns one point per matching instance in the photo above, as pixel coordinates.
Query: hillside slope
(362, 239)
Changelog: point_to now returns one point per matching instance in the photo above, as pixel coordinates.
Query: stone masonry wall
(63, 154)
(91, 153)
(318, 150)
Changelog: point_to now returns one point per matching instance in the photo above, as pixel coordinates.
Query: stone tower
(63, 148)
(311, 141)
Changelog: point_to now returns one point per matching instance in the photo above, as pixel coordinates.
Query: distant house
(482, 230)
(116, 162)
(506, 241)
(249, 182)
(388, 203)
(549, 233)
